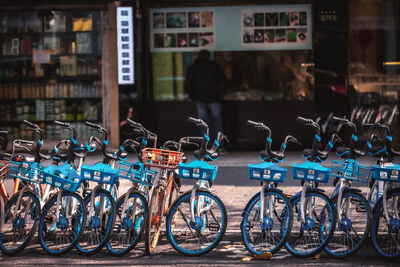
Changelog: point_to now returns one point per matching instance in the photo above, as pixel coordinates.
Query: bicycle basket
(99, 173)
(160, 158)
(198, 170)
(350, 170)
(267, 171)
(311, 171)
(27, 171)
(4, 167)
(64, 177)
(390, 172)
(136, 172)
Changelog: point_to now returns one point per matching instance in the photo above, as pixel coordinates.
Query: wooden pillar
(110, 90)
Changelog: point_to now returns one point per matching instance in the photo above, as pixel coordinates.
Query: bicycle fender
(309, 190)
(393, 190)
(257, 195)
(178, 198)
(347, 190)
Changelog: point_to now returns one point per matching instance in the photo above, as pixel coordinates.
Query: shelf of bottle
(53, 98)
(13, 122)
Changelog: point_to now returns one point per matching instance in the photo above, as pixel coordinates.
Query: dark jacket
(203, 79)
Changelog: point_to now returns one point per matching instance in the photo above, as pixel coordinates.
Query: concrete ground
(234, 187)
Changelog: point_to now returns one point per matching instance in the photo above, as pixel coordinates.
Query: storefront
(264, 49)
(57, 62)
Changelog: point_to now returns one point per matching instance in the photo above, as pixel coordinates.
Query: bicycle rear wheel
(129, 225)
(58, 236)
(99, 224)
(267, 234)
(311, 236)
(201, 235)
(353, 229)
(154, 219)
(19, 223)
(386, 234)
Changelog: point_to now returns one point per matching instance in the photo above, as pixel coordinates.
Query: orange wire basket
(4, 167)
(160, 158)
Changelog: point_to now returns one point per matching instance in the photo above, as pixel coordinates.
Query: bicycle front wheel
(201, 234)
(353, 228)
(310, 236)
(269, 233)
(19, 222)
(385, 232)
(99, 224)
(129, 224)
(61, 223)
(154, 219)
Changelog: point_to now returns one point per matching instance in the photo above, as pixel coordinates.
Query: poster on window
(182, 29)
(276, 26)
(231, 28)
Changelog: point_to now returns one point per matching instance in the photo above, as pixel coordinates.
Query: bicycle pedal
(213, 227)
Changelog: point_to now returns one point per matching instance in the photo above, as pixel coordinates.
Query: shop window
(251, 75)
(50, 69)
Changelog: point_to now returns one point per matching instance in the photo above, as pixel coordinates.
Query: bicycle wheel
(99, 224)
(310, 237)
(267, 234)
(353, 229)
(154, 219)
(19, 223)
(59, 235)
(201, 235)
(129, 224)
(386, 234)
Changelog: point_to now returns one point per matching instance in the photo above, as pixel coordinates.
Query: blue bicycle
(314, 215)
(267, 221)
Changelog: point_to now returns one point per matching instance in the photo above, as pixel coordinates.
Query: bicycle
(197, 220)
(385, 224)
(353, 210)
(22, 211)
(132, 207)
(164, 188)
(267, 221)
(63, 216)
(99, 203)
(314, 215)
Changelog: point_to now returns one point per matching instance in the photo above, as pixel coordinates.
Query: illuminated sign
(126, 72)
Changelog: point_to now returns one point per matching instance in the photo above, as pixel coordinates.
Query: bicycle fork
(201, 208)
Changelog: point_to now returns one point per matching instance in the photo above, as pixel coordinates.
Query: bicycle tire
(202, 223)
(383, 232)
(69, 227)
(125, 225)
(298, 229)
(13, 228)
(278, 224)
(93, 225)
(342, 236)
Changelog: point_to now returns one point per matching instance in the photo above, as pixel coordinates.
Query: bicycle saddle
(209, 156)
(345, 152)
(23, 157)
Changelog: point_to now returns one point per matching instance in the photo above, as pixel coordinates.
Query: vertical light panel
(126, 71)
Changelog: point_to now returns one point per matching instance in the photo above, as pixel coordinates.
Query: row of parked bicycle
(75, 204)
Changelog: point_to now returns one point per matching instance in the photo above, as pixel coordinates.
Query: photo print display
(278, 27)
(177, 30)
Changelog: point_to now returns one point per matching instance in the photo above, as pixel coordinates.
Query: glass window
(251, 75)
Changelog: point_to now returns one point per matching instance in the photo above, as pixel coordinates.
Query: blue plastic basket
(267, 171)
(350, 170)
(388, 173)
(100, 173)
(311, 171)
(27, 171)
(198, 170)
(64, 177)
(136, 172)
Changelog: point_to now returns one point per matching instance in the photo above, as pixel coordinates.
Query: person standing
(203, 80)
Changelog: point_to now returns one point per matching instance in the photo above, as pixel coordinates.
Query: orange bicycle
(163, 193)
